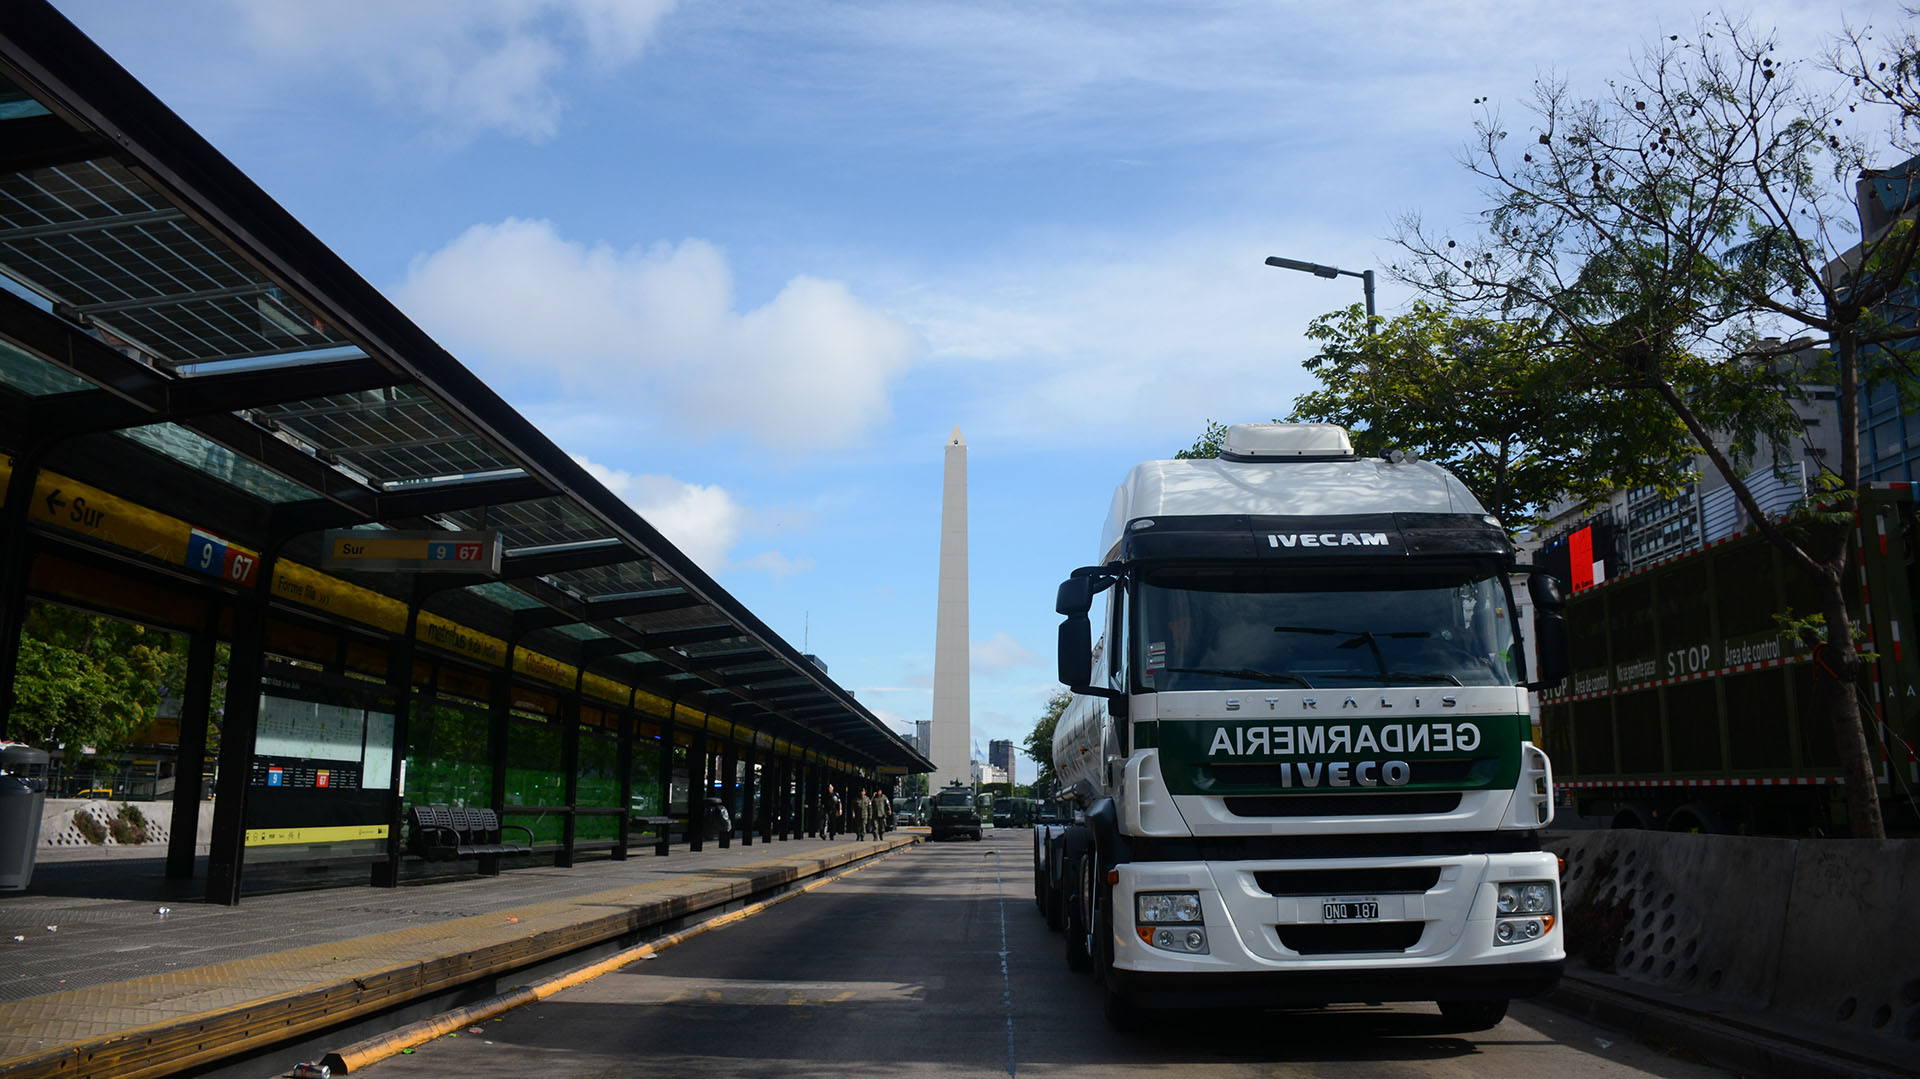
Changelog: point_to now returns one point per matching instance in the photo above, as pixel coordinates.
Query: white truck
(1300, 752)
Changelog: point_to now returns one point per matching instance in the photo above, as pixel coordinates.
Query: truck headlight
(1526, 897)
(1526, 912)
(1171, 921)
(1167, 908)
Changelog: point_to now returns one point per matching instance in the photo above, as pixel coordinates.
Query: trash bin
(23, 794)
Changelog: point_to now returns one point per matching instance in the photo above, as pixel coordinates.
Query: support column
(697, 792)
(748, 803)
(729, 777)
(500, 708)
(665, 843)
(400, 684)
(189, 770)
(16, 564)
(569, 720)
(625, 770)
(779, 804)
(227, 855)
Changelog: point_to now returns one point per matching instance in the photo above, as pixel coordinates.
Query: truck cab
(1300, 747)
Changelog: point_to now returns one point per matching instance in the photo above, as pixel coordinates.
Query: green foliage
(1519, 418)
(1207, 445)
(1038, 745)
(83, 679)
(89, 826)
(128, 826)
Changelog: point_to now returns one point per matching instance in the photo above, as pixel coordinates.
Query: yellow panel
(339, 833)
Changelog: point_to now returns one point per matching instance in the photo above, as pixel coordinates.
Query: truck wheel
(1079, 870)
(1465, 1016)
(1055, 908)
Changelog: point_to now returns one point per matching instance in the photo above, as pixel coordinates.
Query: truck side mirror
(1075, 596)
(1076, 649)
(1546, 591)
(1550, 649)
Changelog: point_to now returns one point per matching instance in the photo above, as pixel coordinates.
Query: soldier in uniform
(861, 813)
(882, 813)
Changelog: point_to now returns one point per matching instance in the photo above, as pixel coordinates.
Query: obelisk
(952, 718)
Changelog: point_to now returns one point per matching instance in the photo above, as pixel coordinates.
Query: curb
(1725, 1041)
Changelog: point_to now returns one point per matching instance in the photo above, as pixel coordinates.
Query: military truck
(954, 812)
(1300, 750)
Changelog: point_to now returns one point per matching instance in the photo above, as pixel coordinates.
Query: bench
(439, 833)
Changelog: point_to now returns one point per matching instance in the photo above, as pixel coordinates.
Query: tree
(83, 679)
(1491, 400)
(1685, 233)
(1207, 445)
(1038, 745)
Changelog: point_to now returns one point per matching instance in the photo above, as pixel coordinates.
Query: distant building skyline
(1000, 755)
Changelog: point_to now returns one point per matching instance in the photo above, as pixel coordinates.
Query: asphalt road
(934, 962)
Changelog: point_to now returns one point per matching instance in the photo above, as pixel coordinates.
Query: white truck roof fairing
(1282, 486)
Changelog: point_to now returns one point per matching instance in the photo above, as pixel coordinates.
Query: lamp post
(1366, 283)
(1330, 272)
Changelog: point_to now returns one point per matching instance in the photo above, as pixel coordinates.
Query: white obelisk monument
(952, 718)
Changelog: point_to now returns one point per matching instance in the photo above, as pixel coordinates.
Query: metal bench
(440, 833)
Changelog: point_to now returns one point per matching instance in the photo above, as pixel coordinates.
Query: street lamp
(1366, 282)
(1329, 272)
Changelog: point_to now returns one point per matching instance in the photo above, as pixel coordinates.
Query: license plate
(1350, 910)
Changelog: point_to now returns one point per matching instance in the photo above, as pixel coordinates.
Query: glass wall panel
(599, 784)
(646, 778)
(447, 760)
(534, 776)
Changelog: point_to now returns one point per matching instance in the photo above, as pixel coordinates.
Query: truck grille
(1343, 805)
(1361, 881)
(1351, 939)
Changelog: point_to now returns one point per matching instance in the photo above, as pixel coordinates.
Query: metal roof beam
(668, 638)
(719, 661)
(45, 142)
(188, 398)
(316, 514)
(598, 610)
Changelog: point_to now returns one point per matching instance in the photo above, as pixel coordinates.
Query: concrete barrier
(1819, 935)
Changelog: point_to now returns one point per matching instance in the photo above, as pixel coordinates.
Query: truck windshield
(1237, 629)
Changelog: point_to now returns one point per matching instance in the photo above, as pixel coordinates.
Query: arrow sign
(54, 501)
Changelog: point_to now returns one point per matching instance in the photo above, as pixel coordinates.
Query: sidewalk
(118, 971)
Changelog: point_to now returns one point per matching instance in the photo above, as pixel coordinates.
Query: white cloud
(1000, 652)
(655, 329)
(703, 521)
(777, 564)
(470, 65)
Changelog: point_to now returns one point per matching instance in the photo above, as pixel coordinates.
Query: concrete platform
(117, 971)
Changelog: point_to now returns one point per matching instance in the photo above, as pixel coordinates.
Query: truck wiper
(1244, 672)
(1435, 677)
(1357, 637)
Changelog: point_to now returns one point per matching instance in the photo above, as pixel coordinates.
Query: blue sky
(753, 261)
